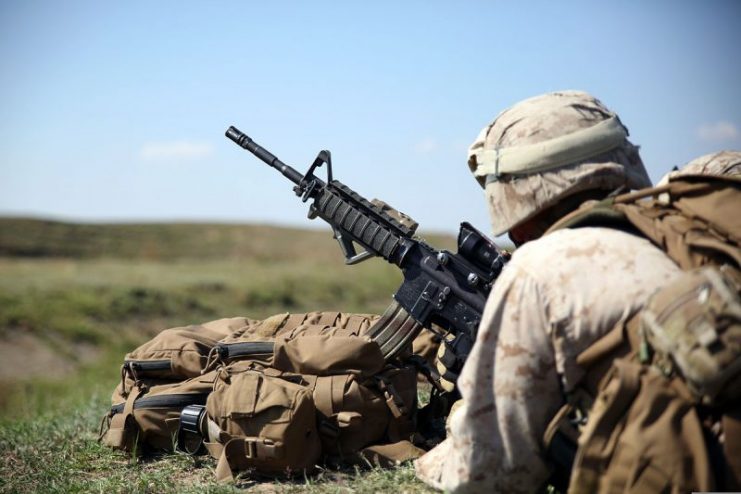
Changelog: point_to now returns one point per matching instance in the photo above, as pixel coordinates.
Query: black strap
(190, 432)
(246, 348)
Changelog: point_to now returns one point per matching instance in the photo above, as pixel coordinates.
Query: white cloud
(426, 146)
(718, 131)
(175, 150)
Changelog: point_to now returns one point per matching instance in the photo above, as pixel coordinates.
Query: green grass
(57, 451)
(23, 237)
(106, 307)
(75, 298)
(48, 443)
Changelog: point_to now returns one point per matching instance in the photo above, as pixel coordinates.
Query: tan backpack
(159, 379)
(255, 342)
(358, 402)
(259, 419)
(361, 399)
(148, 418)
(276, 396)
(694, 219)
(269, 328)
(164, 375)
(666, 381)
(175, 354)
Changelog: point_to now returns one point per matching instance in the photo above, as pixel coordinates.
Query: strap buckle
(393, 398)
(250, 448)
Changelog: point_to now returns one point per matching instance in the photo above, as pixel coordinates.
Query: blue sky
(116, 111)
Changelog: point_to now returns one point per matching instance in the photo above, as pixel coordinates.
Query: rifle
(440, 287)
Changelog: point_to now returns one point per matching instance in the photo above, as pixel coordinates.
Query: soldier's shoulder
(571, 238)
(578, 248)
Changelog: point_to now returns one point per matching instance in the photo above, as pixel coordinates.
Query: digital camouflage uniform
(555, 298)
(558, 294)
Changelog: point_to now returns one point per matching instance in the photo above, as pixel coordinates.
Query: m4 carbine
(440, 287)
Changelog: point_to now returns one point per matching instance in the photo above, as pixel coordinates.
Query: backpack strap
(323, 394)
(120, 427)
(732, 447)
(692, 219)
(619, 395)
(235, 451)
(389, 455)
(393, 399)
(592, 213)
(560, 440)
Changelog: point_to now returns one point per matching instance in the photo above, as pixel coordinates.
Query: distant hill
(25, 237)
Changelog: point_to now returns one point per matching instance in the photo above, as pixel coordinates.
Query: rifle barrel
(243, 140)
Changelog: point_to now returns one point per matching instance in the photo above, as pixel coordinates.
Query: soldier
(727, 163)
(538, 161)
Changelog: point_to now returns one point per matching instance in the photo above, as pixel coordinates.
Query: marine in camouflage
(726, 163)
(558, 295)
(513, 199)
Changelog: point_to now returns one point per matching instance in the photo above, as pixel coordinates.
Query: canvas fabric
(427, 343)
(693, 329)
(147, 418)
(643, 436)
(174, 354)
(269, 328)
(265, 422)
(255, 341)
(693, 218)
(173, 363)
(319, 390)
(385, 455)
(359, 399)
(325, 351)
(646, 430)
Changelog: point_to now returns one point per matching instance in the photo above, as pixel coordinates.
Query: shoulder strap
(602, 213)
(693, 219)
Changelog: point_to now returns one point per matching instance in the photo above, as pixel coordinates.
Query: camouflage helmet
(726, 163)
(549, 147)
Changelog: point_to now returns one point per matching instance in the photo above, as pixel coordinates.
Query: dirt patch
(24, 355)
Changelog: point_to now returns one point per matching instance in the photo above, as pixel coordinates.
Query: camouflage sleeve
(510, 390)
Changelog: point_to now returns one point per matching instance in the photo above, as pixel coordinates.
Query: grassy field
(75, 298)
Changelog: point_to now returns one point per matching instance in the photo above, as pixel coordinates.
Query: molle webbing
(329, 318)
(239, 450)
